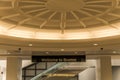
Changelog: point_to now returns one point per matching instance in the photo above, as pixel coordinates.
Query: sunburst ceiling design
(60, 16)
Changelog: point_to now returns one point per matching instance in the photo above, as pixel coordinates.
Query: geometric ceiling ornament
(59, 16)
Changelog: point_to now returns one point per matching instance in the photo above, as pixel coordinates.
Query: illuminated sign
(61, 75)
(59, 58)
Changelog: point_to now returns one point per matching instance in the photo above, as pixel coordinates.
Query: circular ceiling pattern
(61, 19)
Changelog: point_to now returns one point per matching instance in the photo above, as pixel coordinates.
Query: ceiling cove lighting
(100, 32)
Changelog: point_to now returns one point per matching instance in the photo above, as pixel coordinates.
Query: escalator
(34, 69)
(53, 71)
(58, 72)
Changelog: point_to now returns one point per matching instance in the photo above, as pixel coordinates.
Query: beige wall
(88, 74)
(116, 73)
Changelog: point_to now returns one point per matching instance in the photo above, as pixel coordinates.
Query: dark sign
(59, 58)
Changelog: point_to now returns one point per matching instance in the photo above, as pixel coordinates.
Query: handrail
(48, 70)
(29, 65)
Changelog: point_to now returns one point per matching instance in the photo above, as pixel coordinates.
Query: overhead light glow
(95, 44)
(30, 45)
(114, 52)
(62, 49)
(20, 33)
(100, 32)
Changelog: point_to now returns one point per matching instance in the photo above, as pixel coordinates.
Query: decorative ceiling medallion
(59, 5)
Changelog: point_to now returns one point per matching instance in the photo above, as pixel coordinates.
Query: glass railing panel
(50, 70)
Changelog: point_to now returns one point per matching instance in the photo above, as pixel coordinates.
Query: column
(104, 68)
(14, 69)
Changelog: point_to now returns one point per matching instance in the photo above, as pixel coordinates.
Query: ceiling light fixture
(30, 45)
(76, 52)
(62, 49)
(114, 52)
(8, 53)
(47, 52)
(95, 44)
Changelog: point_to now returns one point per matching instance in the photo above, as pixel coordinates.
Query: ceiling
(60, 25)
(59, 14)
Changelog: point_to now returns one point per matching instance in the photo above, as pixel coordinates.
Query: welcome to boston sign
(59, 58)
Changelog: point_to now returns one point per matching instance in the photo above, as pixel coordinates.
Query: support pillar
(14, 68)
(104, 68)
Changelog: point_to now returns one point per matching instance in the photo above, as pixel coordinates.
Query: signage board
(58, 58)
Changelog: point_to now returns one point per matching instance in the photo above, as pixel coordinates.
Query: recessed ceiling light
(8, 53)
(47, 52)
(114, 52)
(30, 45)
(95, 44)
(62, 49)
(76, 52)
